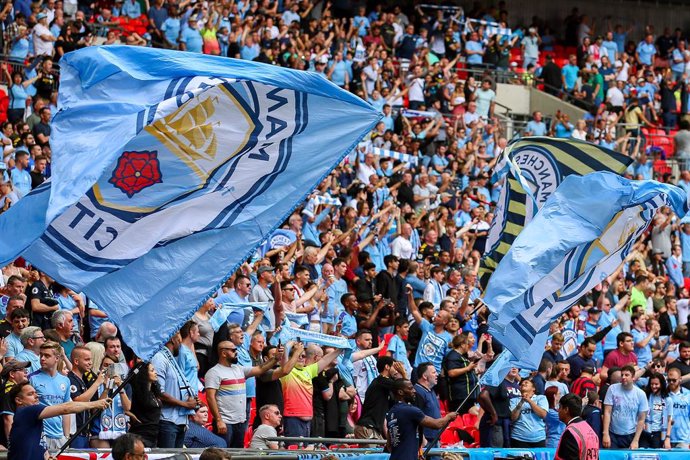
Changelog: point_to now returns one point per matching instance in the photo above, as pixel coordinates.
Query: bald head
(106, 331)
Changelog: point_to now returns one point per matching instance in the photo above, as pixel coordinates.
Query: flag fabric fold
(533, 168)
(169, 170)
(580, 236)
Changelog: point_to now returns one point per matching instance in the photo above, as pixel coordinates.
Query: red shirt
(618, 359)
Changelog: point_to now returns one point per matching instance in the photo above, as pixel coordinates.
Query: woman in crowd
(554, 426)
(528, 414)
(462, 378)
(197, 435)
(203, 344)
(657, 427)
(7, 196)
(146, 405)
(19, 95)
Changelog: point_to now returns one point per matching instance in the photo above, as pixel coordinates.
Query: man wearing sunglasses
(680, 433)
(226, 393)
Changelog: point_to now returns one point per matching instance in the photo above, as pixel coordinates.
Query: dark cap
(14, 366)
(264, 269)
(594, 311)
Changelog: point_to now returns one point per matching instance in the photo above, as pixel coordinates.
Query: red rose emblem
(135, 171)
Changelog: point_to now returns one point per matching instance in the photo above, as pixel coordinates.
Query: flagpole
(95, 413)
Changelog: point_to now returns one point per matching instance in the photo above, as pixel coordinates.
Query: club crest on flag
(185, 157)
(539, 168)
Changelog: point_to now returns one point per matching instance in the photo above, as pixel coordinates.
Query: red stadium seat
(469, 420)
(248, 436)
(449, 437)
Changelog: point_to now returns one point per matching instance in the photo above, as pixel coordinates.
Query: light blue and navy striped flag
(170, 168)
(534, 167)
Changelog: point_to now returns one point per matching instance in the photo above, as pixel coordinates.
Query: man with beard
(178, 399)
(226, 393)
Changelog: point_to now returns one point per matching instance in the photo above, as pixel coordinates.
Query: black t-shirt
(406, 194)
(44, 85)
(6, 408)
(45, 295)
(462, 386)
(79, 386)
(500, 399)
(147, 408)
(377, 402)
(268, 391)
(36, 179)
(320, 384)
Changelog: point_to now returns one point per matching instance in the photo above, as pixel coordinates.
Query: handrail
(316, 440)
(567, 97)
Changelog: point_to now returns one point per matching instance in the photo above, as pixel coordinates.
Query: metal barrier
(379, 442)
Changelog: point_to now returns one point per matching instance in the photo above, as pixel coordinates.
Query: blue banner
(280, 238)
(170, 169)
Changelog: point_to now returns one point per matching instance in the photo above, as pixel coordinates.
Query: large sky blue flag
(580, 236)
(169, 169)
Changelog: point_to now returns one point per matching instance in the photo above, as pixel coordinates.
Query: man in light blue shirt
(643, 338)
(646, 50)
(625, 412)
(610, 46)
(680, 397)
(536, 127)
(474, 50)
(21, 179)
(361, 22)
(433, 345)
(131, 9)
(178, 400)
(678, 61)
(190, 38)
(53, 388)
(569, 72)
(292, 15)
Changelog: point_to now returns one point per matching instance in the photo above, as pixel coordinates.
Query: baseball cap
(264, 269)
(594, 311)
(14, 366)
(40, 16)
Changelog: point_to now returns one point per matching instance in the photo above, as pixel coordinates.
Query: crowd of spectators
(392, 267)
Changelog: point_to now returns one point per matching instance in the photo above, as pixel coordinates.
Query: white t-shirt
(364, 172)
(402, 248)
(683, 306)
(42, 47)
(416, 92)
(231, 394)
(615, 96)
(622, 70)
